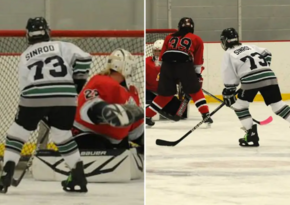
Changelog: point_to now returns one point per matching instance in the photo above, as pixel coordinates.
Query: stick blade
(165, 143)
(267, 121)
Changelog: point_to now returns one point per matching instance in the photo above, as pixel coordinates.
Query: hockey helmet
(37, 30)
(186, 23)
(229, 38)
(157, 46)
(123, 62)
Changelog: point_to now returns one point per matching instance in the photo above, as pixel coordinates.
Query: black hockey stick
(16, 182)
(161, 142)
(264, 122)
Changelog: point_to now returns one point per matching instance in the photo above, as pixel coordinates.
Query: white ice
(210, 168)
(31, 192)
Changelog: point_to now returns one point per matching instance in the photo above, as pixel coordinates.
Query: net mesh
(99, 43)
(153, 35)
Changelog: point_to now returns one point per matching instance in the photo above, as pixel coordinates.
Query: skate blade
(249, 145)
(4, 190)
(73, 190)
(206, 125)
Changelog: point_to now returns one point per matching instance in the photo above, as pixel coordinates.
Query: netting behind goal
(99, 43)
(153, 35)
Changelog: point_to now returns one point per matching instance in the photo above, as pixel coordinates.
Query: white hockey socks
(281, 109)
(66, 145)
(17, 136)
(241, 108)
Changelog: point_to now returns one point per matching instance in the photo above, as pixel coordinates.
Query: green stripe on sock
(70, 146)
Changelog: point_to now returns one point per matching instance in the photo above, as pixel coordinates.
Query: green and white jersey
(248, 65)
(47, 71)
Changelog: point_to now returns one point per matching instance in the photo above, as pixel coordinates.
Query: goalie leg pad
(112, 165)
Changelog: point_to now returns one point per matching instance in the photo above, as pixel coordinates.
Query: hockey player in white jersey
(249, 65)
(50, 75)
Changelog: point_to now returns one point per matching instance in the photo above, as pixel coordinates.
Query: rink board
(258, 98)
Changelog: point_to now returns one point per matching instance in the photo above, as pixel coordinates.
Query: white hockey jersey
(47, 71)
(248, 65)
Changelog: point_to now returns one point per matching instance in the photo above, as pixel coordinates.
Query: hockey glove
(229, 96)
(200, 79)
(122, 115)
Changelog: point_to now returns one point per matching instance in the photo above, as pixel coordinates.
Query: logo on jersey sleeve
(91, 94)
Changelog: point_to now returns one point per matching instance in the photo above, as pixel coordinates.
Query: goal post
(99, 43)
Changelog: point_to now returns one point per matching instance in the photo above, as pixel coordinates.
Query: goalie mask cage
(99, 43)
(153, 35)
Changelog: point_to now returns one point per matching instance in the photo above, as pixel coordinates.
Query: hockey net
(153, 35)
(99, 43)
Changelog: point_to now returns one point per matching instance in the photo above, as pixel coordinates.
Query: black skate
(7, 176)
(149, 121)
(209, 121)
(250, 136)
(76, 178)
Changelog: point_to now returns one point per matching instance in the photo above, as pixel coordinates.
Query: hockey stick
(16, 182)
(161, 142)
(264, 122)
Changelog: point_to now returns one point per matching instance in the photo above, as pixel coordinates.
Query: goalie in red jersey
(182, 59)
(108, 114)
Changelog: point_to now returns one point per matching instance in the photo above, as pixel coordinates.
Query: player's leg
(241, 107)
(272, 97)
(61, 120)
(191, 86)
(166, 91)
(26, 120)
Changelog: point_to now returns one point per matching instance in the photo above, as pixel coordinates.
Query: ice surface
(31, 192)
(209, 167)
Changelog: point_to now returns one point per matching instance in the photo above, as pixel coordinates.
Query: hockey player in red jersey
(108, 114)
(152, 77)
(182, 59)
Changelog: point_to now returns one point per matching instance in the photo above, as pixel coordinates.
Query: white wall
(213, 54)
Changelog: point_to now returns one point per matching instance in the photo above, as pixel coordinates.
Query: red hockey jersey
(188, 47)
(110, 91)
(152, 74)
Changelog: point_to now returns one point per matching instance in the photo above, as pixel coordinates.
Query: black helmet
(229, 38)
(186, 22)
(37, 30)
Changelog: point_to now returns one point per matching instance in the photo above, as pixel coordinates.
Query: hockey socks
(17, 136)
(157, 105)
(281, 109)
(200, 102)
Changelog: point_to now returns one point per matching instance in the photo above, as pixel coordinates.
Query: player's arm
(98, 111)
(81, 64)
(265, 53)
(198, 55)
(230, 80)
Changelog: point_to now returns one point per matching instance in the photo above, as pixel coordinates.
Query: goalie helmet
(186, 23)
(157, 47)
(229, 38)
(37, 30)
(123, 62)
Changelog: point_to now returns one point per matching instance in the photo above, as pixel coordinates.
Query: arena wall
(213, 54)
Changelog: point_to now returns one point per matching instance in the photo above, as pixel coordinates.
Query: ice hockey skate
(7, 176)
(250, 136)
(76, 178)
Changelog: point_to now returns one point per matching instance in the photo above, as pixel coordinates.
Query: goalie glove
(122, 115)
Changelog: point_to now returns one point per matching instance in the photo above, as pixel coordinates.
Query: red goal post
(153, 35)
(99, 43)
